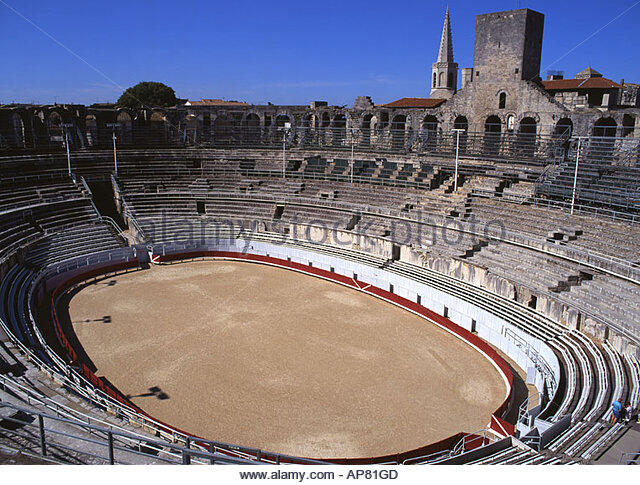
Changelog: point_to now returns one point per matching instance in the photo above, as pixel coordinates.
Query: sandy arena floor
(275, 359)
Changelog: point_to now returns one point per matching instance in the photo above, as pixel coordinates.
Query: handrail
(108, 438)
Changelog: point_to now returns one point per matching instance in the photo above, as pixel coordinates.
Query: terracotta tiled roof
(575, 84)
(216, 102)
(415, 103)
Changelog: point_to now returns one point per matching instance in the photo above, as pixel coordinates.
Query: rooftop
(415, 103)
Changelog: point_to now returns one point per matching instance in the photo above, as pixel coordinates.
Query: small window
(445, 313)
(502, 102)
(310, 264)
(517, 70)
(355, 276)
(390, 288)
(419, 300)
(289, 259)
(473, 326)
(477, 73)
(434, 79)
(332, 269)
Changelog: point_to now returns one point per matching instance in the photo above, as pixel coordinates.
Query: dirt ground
(270, 358)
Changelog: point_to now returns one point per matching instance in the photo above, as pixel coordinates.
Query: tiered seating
(165, 193)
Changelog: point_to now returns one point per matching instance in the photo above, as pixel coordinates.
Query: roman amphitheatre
(445, 280)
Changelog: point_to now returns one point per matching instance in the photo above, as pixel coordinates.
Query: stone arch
(492, 135)
(18, 130)
(528, 125)
(366, 126)
(339, 124)
(628, 125)
(281, 119)
(527, 136)
(398, 131)
(125, 127)
(429, 132)
(55, 128)
(429, 123)
(384, 120)
(605, 127)
(493, 124)
(563, 128)
(91, 129)
(461, 123)
(251, 128)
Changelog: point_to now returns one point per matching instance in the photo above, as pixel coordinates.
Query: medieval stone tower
(508, 45)
(444, 77)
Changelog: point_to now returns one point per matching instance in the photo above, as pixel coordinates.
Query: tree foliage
(148, 94)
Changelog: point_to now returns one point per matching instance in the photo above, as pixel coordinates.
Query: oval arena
(309, 367)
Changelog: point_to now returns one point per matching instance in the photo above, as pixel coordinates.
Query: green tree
(149, 94)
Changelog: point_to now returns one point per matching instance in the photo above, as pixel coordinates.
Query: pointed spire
(445, 54)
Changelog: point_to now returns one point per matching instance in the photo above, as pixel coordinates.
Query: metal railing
(67, 440)
(628, 458)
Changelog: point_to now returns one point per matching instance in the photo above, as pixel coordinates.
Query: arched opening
(605, 127)
(561, 138)
(429, 132)
(434, 79)
(282, 120)
(628, 125)
(526, 145)
(365, 129)
(54, 125)
(384, 120)
(157, 130)
(339, 129)
(306, 129)
(206, 126)
(563, 128)
(492, 133)
(222, 129)
(251, 127)
(461, 123)
(398, 127)
(91, 130)
(502, 100)
(126, 128)
(441, 79)
(190, 133)
(604, 132)
(18, 130)
(450, 80)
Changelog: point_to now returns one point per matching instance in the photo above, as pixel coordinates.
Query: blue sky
(280, 51)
